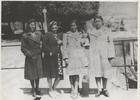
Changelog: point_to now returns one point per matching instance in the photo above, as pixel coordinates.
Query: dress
(52, 63)
(31, 48)
(101, 48)
(73, 50)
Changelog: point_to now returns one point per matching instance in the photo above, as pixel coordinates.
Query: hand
(66, 62)
(40, 44)
(110, 59)
(50, 53)
(59, 42)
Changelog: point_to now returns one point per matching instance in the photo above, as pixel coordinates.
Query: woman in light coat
(74, 57)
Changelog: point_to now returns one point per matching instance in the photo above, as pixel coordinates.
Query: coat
(31, 48)
(73, 50)
(101, 48)
(52, 63)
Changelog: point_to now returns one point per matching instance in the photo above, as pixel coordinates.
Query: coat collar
(35, 36)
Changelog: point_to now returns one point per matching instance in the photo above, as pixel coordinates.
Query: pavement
(15, 87)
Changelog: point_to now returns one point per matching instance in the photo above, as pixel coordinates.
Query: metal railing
(125, 65)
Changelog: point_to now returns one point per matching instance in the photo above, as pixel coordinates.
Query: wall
(126, 10)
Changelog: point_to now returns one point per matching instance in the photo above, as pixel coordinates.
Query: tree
(56, 10)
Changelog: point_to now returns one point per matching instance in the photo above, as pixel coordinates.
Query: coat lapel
(34, 37)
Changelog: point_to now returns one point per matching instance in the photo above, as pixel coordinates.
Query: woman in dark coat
(52, 57)
(31, 48)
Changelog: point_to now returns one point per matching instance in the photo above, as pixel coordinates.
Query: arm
(64, 48)
(24, 48)
(45, 43)
(111, 48)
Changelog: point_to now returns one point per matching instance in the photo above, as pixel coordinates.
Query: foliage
(24, 10)
(63, 12)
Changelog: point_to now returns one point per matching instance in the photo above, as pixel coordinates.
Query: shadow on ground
(45, 91)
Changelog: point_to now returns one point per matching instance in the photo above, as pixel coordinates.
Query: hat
(52, 23)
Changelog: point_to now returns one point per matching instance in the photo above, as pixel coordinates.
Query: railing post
(45, 20)
(124, 57)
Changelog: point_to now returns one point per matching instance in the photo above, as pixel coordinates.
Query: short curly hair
(28, 23)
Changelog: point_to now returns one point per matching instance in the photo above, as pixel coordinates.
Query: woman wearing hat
(52, 57)
(31, 48)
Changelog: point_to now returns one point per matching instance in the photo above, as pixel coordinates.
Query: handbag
(85, 86)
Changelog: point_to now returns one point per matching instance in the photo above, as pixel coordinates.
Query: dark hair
(28, 23)
(99, 17)
(73, 21)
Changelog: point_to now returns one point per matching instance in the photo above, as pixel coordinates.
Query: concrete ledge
(9, 44)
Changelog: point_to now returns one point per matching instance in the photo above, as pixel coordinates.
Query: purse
(85, 86)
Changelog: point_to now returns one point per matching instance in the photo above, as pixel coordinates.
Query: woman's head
(73, 26)
(98, 22)
(53, 26)
(31, 25)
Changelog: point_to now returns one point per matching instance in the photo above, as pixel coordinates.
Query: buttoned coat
(31, 48)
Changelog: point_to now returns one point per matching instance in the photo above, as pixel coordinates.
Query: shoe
(98, 94)
(106, 93)
(37, 98)
(76, 95)
(72, 94)
(38, 92)
(56, 93)
(51, 94)
(33, 93)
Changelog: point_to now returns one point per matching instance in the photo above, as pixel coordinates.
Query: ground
(15, 87)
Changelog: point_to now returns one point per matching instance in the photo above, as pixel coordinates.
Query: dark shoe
(37, 98)
(38, 92)
(105, 93)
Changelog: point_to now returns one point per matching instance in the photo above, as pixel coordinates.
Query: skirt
(77, 62)
(33, 68)
(99, 64)
(52, 66)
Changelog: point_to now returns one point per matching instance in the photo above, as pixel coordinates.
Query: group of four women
(46, 53)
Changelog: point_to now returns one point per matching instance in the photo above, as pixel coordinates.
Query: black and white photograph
(69, 50)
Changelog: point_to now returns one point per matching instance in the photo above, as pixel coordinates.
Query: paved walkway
(14, 87)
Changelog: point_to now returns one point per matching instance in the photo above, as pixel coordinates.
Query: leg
(56, 81)
(37, 86)
(71, 78)
(32, 84)
(105, 92)
(49, 83)
(104, 80)
(51, 93)
(76, 84)
(98, 83)
(33, 87)
(37, 83)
